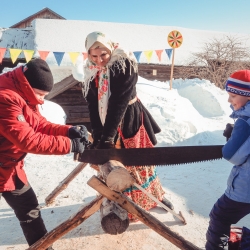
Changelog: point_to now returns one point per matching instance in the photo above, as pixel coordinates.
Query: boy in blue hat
(234, 204)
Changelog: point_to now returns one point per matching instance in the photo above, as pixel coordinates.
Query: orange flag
(43, 54)
(85, 55)
(158, 53)
(2, 52)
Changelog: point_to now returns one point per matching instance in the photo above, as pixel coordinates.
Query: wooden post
(172, 69)
(141, 214)
(63, 184)
(179, 216)
(68, 225)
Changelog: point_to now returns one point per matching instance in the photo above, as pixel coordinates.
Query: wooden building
(45, 13)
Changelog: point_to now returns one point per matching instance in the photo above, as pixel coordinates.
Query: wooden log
(116, 175)
(114, 219)
(68, 225)
(141, 214)
(118, 179)
(63, 184)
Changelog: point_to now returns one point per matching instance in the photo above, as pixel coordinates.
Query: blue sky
(217, 15)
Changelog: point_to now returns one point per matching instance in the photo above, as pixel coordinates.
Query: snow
(193, 112)
(70, 35)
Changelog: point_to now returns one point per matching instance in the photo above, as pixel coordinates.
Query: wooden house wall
(74, 105)
(158, 71)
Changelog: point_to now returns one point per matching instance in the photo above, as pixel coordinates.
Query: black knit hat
(38, 74)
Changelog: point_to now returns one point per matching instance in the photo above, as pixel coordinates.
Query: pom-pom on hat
(38, 74)
(239, 83)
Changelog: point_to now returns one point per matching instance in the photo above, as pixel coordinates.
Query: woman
(118, 118)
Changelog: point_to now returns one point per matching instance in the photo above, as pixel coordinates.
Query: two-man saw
(153, 156)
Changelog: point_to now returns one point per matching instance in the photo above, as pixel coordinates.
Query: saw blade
(153, 156)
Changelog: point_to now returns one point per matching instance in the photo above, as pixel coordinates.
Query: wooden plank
(68, 225)
(78, 120)
(62, 86)
(141, 214)
(64, 183)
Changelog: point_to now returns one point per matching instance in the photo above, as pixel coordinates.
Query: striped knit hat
(239, 83)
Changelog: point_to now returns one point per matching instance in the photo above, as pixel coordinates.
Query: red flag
(85, 55)
(43, 54)
(158, 53)
(2, 52)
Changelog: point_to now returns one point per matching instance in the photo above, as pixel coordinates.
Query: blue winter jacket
(237, 151)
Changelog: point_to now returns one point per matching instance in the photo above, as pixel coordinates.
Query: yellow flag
(14, 53)
(148, 54)
(73, 56)
(28, 54)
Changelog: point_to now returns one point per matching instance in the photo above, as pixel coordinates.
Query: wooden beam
(61, 86)
(141, 214)
(63, 184)
(68, 225)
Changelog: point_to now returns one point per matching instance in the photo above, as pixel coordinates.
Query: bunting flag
(73, 56)
(148, 54)
(59, 57)
(43, 54)
(14, 53)
(158, 53)
(137, 55)
(85, 56)
(2, 52)
(169, 52)
(28, 54)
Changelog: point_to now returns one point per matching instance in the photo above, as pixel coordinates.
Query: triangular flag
(169, 52)
(28, 54)
(137, 55)
(43, 54)
(73, 56)
(158, 53)
(148, 54)
(14, 53)
(59, 57)
(85, 55)
(2, 52)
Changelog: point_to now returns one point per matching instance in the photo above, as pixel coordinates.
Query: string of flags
(28, 54)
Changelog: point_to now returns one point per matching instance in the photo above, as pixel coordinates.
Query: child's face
(237, 101)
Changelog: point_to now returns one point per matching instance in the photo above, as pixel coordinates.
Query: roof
(37, 13)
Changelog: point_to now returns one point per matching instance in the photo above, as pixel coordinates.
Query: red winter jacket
(23, 129)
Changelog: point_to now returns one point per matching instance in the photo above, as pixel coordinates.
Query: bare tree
(218, 59)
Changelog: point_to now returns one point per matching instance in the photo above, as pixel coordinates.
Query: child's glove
(228, 130)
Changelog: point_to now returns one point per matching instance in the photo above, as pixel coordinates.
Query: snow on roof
(17, 39)
(70, 35)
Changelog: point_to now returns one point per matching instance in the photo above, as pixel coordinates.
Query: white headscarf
(89, 70)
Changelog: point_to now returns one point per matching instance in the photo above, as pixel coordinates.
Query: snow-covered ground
(193, 112)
